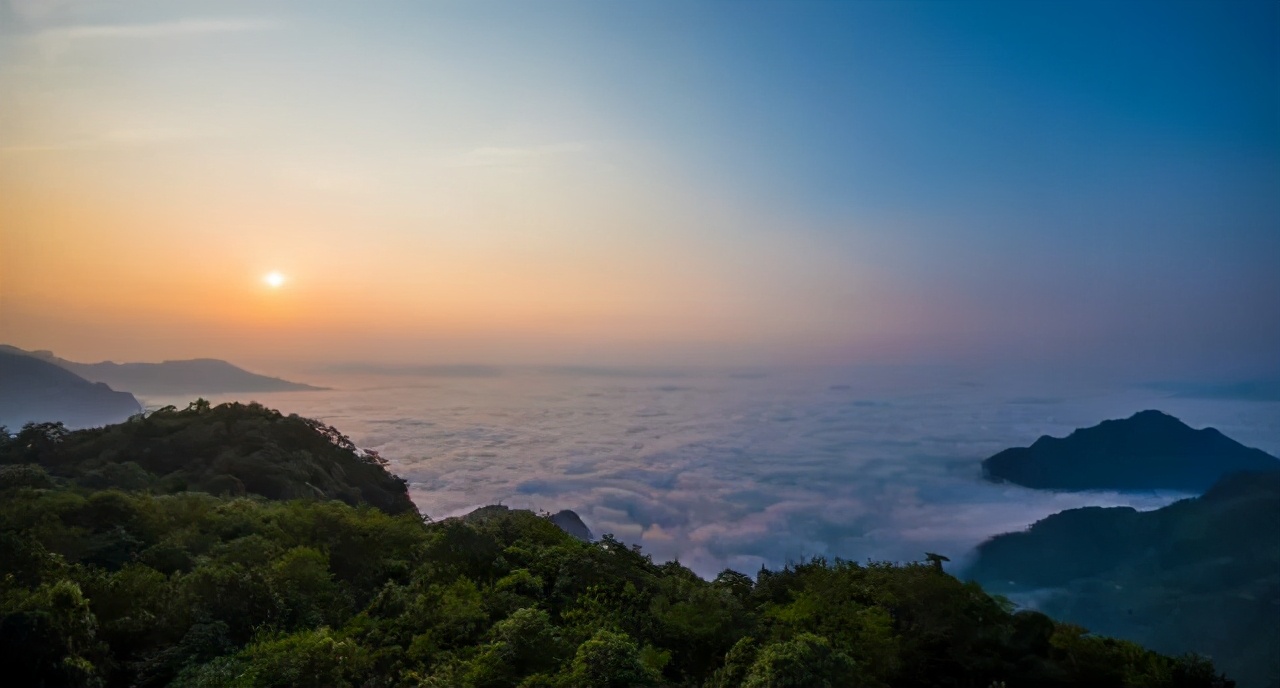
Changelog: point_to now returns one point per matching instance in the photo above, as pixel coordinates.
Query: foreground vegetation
(1200, 574)
(231, 449)
(152, 585)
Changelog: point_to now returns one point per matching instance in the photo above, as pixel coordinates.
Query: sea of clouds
(732, 470)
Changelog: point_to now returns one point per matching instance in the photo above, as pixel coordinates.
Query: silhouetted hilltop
(194, 376)
(232, 449)
(566, 520)
(1147, 451)
(1199, 575)
(571, 523)
(32, 390)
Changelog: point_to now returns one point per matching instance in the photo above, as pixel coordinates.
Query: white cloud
(519, 156)
(43, 10)
(54, 42)
(169, 29)
(114, 139)
(722, 472)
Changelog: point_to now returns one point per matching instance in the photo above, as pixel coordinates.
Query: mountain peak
(571, 523)
(1150, 450)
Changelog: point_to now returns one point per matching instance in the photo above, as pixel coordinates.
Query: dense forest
(234, 546)
(231, 449)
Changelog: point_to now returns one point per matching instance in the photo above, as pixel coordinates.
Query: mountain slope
(193, 376)
(32, 390)
(1148, 451)
(1199, 575)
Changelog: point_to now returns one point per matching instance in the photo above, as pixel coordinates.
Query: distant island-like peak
(1150, 450)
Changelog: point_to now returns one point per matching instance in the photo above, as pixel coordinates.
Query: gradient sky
(748, 183)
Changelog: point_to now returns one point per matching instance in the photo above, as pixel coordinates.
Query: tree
(935, 559)
(610, 660)
(523, 644)
(52, 640)
(806, 661)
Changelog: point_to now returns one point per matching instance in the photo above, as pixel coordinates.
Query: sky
(1083, 185)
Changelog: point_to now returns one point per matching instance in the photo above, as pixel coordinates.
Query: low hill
(1147, 451)
(32, 390)
(1199, 575)
(571, 523)
(232, 449)
(206, 376)
(566, 520)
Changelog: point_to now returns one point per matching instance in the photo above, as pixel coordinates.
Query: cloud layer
(740, 471)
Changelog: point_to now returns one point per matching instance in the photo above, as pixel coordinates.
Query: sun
(273, 279)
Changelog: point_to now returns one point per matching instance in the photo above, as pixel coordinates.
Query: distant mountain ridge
(570, 522)
(192, 376)
(1147, 451)
(1256, 389)
(35, 390)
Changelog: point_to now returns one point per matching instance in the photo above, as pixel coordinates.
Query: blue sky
(1075, 183)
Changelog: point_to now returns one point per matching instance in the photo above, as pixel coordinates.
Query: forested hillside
(32, 390)
(145, 584)
(1201, 574)
(231, 449)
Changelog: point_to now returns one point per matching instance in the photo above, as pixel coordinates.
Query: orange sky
(635, 183)
(111, 254)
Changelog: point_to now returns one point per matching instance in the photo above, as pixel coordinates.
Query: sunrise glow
(450, 197)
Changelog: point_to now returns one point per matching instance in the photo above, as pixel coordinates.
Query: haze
(1061, 184)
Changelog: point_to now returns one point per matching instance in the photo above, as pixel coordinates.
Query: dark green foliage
(231, 449)
(1147, 451)
(139, 588)
(1201, 574)
(805, 661)
(610, 659)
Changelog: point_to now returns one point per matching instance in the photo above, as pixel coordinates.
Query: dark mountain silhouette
(572, 524)
(33, 390)
(193, 376)
(566, 520)
(1201, 575)
(1148, 451)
